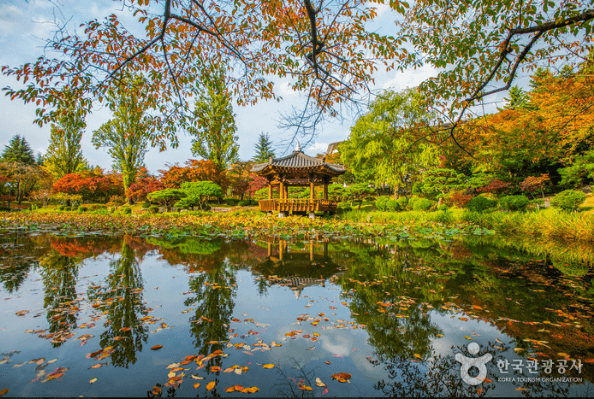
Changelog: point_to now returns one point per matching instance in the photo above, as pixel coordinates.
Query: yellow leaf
(467, 337)
(418, 356)
(251, 390)
(93, 380)
(196, 385)
(210, 385)
(320, 383)
(518, 349)
(268, 366)
(316, 334)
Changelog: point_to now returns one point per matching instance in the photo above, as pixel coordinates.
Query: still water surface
(79, 316)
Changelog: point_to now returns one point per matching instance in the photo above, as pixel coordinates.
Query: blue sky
(24, 25)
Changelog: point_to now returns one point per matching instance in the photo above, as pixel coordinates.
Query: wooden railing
(297, 205)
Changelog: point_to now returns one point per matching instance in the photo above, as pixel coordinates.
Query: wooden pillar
(286, 191)
(311, 251)
(282, 190)
(269, 190)
(325, 249)
(280, 250)
(312, 194)
(325, 190)
(269, 249)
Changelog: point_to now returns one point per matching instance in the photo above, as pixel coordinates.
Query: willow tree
(392, 143)
(213, 122)
(125, 135)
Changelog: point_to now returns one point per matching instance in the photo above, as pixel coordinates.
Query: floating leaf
(325, 391)
(463, 318)
(328, 362)
(156, 347)
(96, 366)
(268, 366)
(518, 349)
(214, 369)
(156, 390)
(251, 390)
(93, 380)
(341, 377)
(22, 312)
(196, 385)
(210, 385)
(4, 391)
(320, 383)
(418, 356)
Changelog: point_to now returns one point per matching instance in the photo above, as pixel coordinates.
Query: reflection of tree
(18, 255)
(123, 303)
(213, 299)
(59, 274)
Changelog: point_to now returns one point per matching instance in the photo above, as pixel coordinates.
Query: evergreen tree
(39, 160)
(518, 98)
(18, 150)
(214, 122)
(264, 149)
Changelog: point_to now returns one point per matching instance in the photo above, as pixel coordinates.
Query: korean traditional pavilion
(297, 170)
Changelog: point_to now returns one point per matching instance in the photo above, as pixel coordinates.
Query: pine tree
(18, 150)
(214, 122)
(263, 148)
(518, 98)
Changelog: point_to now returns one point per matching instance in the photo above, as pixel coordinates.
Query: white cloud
(9, 17)
(317, 148)
(410, 78)
(285, 90)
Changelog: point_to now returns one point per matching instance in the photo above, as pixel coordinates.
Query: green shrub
(153, 209)
(244, 203)
(422, 204)
(344, 207)
(411, 202)
(569, 200)
(83, 209)
(230, 201)
(380, 203)
(62, 207)
(442, 207)
(402, 202)
(481, 204)
(126, 210)
(74, 208)
(392, 205)
(514, 202)
(254, 202)
(146, 205)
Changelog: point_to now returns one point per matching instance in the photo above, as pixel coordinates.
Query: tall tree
(126, 134)
(213, 122)
(391, 142)
(264, 149)
(64, 153)
(18, 150)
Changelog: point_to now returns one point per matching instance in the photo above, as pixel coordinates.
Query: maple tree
(195, 170)
(92, 186)
(144, 185)
(323, 46)
(532, 184)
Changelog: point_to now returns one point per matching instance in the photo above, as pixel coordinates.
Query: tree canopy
(18, 150)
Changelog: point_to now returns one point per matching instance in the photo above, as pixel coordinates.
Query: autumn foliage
(193, 171)
(143, 186)
(93, 186)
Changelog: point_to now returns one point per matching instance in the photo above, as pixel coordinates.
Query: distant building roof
(297, 162)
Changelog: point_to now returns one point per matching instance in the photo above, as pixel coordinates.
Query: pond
(134, 316)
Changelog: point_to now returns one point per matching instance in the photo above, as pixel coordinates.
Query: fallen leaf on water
(497, 339)
(214, 369)
(418, 356)
(173, 365)
(210, 385)
(22, 312)
(328, 362)
(156, 390)
(93, 380)
(325, 391)
(251, 390)
(196, 377)
(37, 361)
(4, 391)
(316, 334)
(312, 348)
(320, 383)
(518, 349)
(196, 385)
(156, 347)
(463, 318)
(96, 366)
(468, 338)
(341, 377)
(125, 329)
(520, 389)
(51, 361)
(230, 389)
(268, 366)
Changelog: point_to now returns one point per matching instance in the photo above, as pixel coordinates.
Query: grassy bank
(547, 223)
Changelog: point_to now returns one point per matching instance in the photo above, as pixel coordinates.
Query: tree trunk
(360, 202)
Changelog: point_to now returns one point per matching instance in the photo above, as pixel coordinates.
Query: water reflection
(414, 302)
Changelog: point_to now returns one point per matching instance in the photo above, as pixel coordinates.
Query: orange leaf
(214, 369)
(251, 390)
(210, 385)
(196, 385)
(268, 366)
(156, 347)
(156, 390)
(4, 391)
(238, 388)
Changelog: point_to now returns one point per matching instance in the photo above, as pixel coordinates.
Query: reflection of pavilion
(297, 269)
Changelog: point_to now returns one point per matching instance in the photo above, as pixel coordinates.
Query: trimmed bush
(146, 204)
(230, 201)
(253, 202)
(244, 203)
(481, 204)
(344, 207)
(402, 202)
(569, 200)
(126, 210)
(392, 205)
(514, 202)
(422, 204)
(83, 209)
(62, 207)
(153, 209)
(380, 203)
(74, 208)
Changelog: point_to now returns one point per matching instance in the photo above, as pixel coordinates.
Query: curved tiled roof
(298, 160)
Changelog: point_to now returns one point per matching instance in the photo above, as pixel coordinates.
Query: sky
(24, 25)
